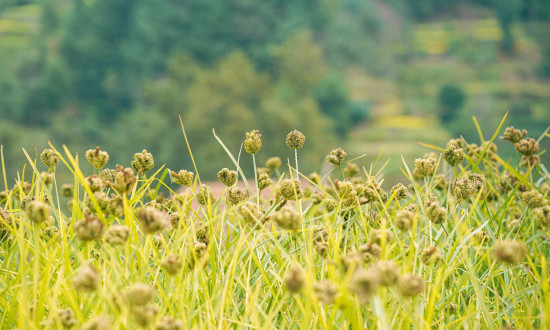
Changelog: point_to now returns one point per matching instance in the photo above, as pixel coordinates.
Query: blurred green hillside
(371, 76)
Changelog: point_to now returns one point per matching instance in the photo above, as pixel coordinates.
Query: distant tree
(508, 13)
(451, 99)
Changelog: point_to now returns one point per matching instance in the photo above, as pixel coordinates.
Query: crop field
(462, 242)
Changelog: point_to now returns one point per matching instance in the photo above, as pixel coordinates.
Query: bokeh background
(372, 76)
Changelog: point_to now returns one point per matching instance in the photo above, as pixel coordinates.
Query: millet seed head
(171, 264)
(453, 155)
(365, 283)
(152, 220)
(527, 146)
(263, 180)
(205, 195)
(388, 272)
(37, 211)
(337, 156)
(513, 135)
(288, 218)
(399, 191)
(89, 228)
(411, 285)
(49, 158)
(533, 199)
(182, 178)
(143, 162)
(253, 142)
(227, 177)
(404, 220)
(97, 158)
(273, 163)
(294, 279)
(117, 235)
(295, 140)
(325, 291)
(510, 251)
(139, 294)
(86, 279)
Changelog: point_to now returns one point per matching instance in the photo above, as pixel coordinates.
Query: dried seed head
(250, 214)
(205, 195)
(143, 162)
(290, 189)
(117, 235)
(97, 323)
(227, 177)
(67, 190)
(49, 158)
(253, 142)
(399, 191)
(404, 220)
(124, 180)
(513, 135)
(337, 156)
(435, 212)
(365, 283)
(66, 317)
(86, 279)
(183, 178)
(379, 235)
(411, 285)
(430, 256)
(97, 157)
(423, 167)
(527, 146)
(453, 155)
(273, 163)
(90, 228)
(351, 170)
(510, 251)
(263, 180)
(388, 272)
(168, 323)
(294, 279)
(295, 140)
(235, 195)
(37, 211)
(288, 218)
(152, 220)
(533, 199)
(543, 215)
(370, 251)
(326, 292)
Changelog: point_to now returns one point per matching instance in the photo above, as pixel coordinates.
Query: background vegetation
(374, 74)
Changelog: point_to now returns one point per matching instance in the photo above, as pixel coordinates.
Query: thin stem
(296, 160)
(341, 172)
(256, 181)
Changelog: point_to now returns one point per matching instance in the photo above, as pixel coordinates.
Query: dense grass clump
(462, 242)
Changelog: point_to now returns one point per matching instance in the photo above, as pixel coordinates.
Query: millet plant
(461, 242)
